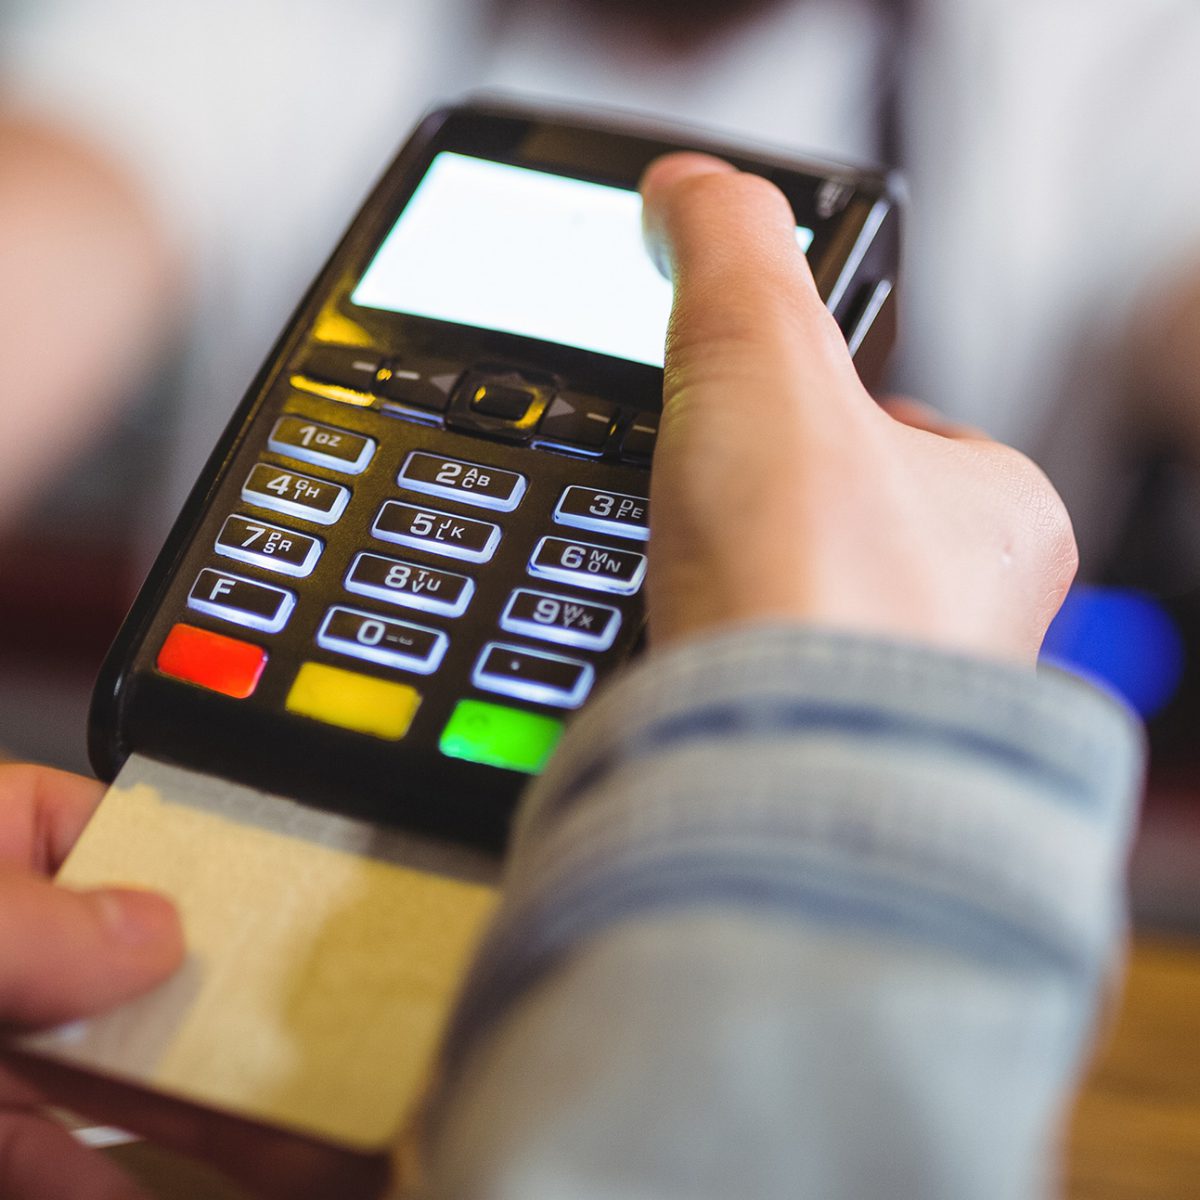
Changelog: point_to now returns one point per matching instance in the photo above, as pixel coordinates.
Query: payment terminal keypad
(412, 577)
(323, 445)
(212, 660)
(269, 546)
(400, 581)
(568, 620)
(472, 483)
(242, 601)
(588, 565)
(297, 495)
(437, 532)
(604, 512)
(375, 638)
(533, 675)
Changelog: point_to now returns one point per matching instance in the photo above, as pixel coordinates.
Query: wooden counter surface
(1135, 1134)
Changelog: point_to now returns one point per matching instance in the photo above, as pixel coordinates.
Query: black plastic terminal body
(390, 386)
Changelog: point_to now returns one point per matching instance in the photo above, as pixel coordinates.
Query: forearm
(795, 915)
(87, 280)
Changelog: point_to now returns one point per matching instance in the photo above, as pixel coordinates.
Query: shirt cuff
(884, 788)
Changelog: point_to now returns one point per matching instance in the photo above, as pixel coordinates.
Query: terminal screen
(521, 251)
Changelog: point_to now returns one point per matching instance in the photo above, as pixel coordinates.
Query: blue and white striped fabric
(796, 914)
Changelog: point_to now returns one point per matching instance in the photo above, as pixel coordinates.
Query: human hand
(63, 955)
(781, 490)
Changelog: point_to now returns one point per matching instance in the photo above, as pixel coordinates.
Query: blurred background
(172, 176)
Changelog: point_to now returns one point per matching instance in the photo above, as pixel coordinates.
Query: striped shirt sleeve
(794, 913)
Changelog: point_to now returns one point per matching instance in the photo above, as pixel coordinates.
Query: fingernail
(662, 261)
(133, 916)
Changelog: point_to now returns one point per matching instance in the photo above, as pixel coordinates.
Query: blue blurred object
(1121, 639)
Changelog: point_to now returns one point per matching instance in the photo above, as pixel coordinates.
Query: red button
(212, 660)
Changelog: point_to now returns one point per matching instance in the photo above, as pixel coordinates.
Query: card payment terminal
(421, 541)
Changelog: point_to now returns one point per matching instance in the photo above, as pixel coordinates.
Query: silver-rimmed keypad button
(470, 483)
(604, 512)
(242, 601)
(563, 619)
(322, 445)
(437, 532)
(284, 491)
(533, 676)
(382, 640)
(602, 568)
(269, 546)
(410, 584)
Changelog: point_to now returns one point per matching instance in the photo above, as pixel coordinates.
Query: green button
(500, 736)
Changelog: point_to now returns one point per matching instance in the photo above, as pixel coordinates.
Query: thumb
(66, 954)
(746, 305)
(760, 398)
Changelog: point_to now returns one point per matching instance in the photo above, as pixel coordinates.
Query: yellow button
(353, 701)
